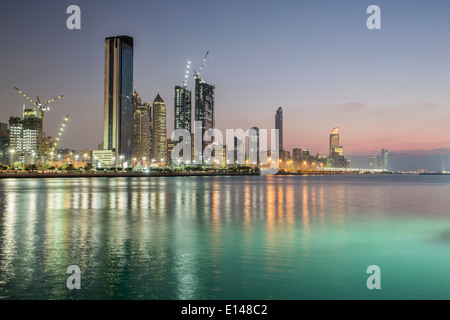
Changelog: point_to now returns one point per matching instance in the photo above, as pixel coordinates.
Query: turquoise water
(272, 237)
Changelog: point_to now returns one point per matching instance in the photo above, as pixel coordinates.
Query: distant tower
(279, 126)
(384, 159)
(118, 109)
(254, 147)
(141, 130)
(334, 140)
(159, 139)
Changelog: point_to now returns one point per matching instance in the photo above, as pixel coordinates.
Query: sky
(387, 88)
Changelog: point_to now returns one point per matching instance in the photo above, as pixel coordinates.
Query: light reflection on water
(292, 237)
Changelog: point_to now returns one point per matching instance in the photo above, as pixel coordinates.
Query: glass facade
(159, 140)
(25, 137)
(204, 107)
(334, 139)
(118, 129)
(125, 99)
(182, 103)
(279, 126)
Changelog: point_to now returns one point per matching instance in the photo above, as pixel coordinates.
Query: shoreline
(44, 175)
(21, 175)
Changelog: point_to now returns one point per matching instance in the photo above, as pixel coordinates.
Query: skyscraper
(118, 109)
(204, 108)
(375, 161)
(253, 148)
(182, 119)
(279, 126)
(334, 140)
(141, 130)
(182, 114)
(4, 143)
(384, 159)
(159, 142)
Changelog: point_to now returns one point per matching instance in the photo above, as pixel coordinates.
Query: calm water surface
(292, 237)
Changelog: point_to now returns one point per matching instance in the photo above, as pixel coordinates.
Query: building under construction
(28, 142)
(25, 137)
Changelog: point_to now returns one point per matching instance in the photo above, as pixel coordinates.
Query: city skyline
(406, 119)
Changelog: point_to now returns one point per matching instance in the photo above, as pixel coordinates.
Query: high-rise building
(25, 132)
(384, 159)
(204, 108)
(334, 140)
(297, 158)
(141, 130)
(4, 143)
(182, 115)
(253, 147)
(375, 161)
(279, 126)
(159, 139)
(118, 109)
(136, 101)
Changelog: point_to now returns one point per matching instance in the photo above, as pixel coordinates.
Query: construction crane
(197, 75)
(186, 75)
(42, 106)
(54, 148)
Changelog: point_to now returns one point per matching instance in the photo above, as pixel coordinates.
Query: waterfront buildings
(4, 143)
(159, 134)
(103, 159)
(141, 130)
(118, 108)
(182, 113)
(384, 159)
(334, 140)
(182, 104)
(297, 158)
(204, 109)
(379, 160)
(25, 141)
(253, 147)
(279, 127)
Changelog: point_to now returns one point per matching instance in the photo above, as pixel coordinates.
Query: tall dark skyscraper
(279, 126)
(118, 112)
(182, 119)
(204, 107)
(4, 143)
